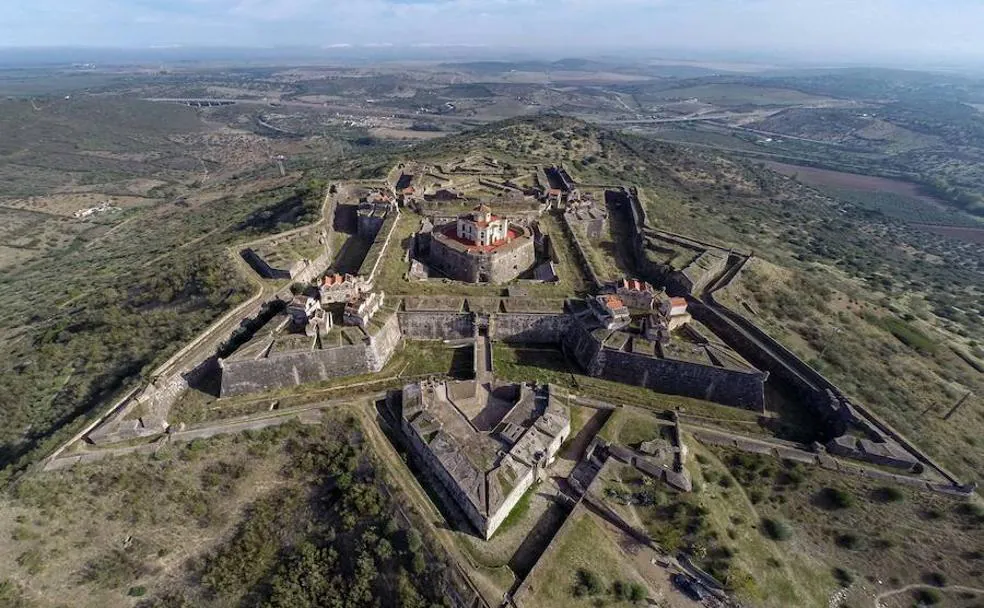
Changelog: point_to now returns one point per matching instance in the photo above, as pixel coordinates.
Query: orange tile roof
(613, 302)
(674, 302)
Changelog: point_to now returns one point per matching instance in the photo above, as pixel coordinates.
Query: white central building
(482, 228)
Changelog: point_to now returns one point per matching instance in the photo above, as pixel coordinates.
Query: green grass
(630, 428)
(906, 333)
(821, 520)
(583, 546)
(518, 512)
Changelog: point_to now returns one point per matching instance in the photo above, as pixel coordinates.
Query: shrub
(776, 529)
(137, 591)
(848, 541)
(844, 577)
(936, 579)
(888, 494)
(927, 597)
(836, 498)
(587, 583)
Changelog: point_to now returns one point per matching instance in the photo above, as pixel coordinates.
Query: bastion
(485, 444)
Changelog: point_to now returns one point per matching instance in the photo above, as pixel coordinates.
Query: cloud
(841, 28)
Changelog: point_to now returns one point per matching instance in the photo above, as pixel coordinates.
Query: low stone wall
(530, 328)
(436, 325)
(291, 369)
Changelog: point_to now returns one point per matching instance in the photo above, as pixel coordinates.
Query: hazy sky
(841, 28)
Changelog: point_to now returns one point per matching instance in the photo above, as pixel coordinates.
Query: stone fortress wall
(436, 325)
(737, 388)
(722, 385)
(291, 369)
(245, 376)
(529, 328)
(835, 412)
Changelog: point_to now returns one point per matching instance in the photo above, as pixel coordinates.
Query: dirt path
(907, 588)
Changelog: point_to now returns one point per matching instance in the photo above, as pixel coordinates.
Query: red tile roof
(613, 302)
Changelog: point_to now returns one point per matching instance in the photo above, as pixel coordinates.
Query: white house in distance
(482, 228)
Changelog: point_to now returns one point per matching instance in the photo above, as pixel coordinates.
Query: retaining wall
(582, 255)
(314, 269)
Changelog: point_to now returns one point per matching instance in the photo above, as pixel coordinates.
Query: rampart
(291, 369)
(313, 268)
(723, 385)
(383, 343)
(825, 398)
(530, 328)
(582, 256)
(436, 325)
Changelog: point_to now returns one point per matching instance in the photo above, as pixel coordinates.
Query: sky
(838, 29)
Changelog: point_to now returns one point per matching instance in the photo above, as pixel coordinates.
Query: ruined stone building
(360, 309)
(636, 293)
(610, 311)
(672, 311)
(306, 314)
(342, 288)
